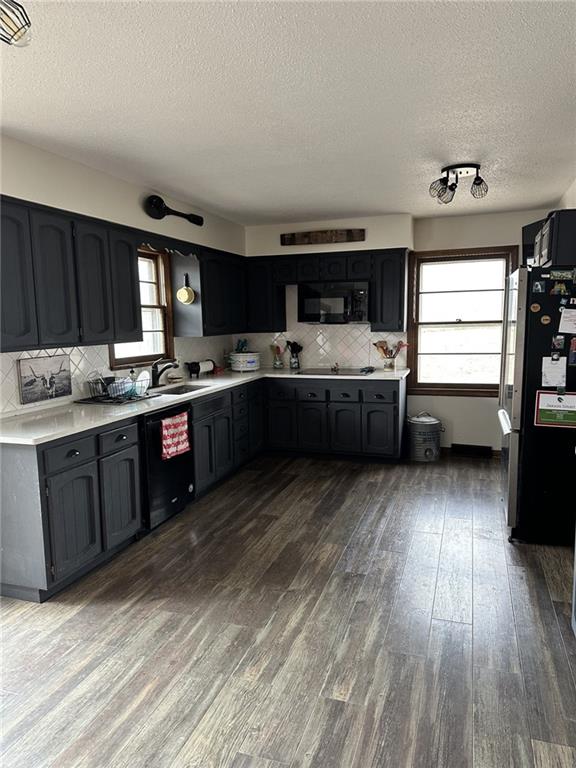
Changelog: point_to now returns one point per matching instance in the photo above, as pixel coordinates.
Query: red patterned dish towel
(175, 436)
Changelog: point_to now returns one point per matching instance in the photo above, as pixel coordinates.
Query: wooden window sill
(452, 391)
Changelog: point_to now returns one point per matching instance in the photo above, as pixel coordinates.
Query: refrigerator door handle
(504, 420)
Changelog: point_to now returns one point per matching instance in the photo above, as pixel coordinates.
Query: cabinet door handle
(379, 396)
(344, 394)
(72, 454)
(121, 437)
(311, 394)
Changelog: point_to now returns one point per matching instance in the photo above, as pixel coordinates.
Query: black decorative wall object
(156, 208)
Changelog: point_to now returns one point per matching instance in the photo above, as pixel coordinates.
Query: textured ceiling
(281, 111)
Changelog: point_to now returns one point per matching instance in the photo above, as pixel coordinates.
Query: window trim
(162, 259)
(509, 253)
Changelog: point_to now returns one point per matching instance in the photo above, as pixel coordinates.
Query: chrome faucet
(157, 372)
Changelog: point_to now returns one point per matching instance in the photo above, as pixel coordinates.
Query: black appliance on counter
(336, 303)
(170, 482)
(539, 372)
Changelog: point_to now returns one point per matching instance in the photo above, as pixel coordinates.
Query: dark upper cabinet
(93, 278)
(125, 286)
(333, 266)
(19, 325)
(359, 265)
(120, 495)
(313, 426)
(55, 282)
(380, 429)
(223, 443)
(235, 292)
(223, 293)
(266, 301)
(285, 271)
(388, 291)
(204, 459)
(74, 518)
(345, 427)
(308, 268)
(282, 425)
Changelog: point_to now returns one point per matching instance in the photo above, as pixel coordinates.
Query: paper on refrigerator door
(568, 321)
(553, 372)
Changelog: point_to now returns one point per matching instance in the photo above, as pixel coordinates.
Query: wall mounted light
(444, 188)
(14, 24)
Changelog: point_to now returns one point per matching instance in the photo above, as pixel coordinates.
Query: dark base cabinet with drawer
(345, 417)
(67, 507)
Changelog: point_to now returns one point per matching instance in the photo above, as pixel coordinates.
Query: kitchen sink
(183, 389)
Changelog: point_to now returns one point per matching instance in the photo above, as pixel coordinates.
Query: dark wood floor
(307, 613)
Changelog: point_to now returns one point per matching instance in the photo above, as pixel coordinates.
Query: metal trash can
(424, 431)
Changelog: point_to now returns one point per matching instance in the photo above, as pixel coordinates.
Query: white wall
(43, 177)
(568, 199)
(477, 231)
(391, 231)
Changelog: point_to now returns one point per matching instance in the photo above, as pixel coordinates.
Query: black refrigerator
(537, 410)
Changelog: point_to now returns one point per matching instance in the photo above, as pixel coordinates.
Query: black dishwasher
(170, 482)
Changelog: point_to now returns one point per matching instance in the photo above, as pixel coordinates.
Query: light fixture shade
(438, 186)
(479, 187)
(14, 23)
(447, 195)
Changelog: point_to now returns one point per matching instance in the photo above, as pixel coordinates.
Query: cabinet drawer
(209, 406)
(119, 438)
(281, 391)
(240, 411)
(311, 393)
(384, 393)
(241, 428)
(344, 394)
(240, 394)
(69, 454)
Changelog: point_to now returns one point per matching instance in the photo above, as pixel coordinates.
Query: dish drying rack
(107, 388)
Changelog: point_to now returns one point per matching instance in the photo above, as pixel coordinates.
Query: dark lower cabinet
(213, 449)
(313, 426)
(55, 281)
(345, 427)
(120, 496)
(125, 285)
(380, 429)
(223, 443)
(18, 322)
(256, 432)
(282, 425)
(74, 518)
(94, 281)
(204, 459)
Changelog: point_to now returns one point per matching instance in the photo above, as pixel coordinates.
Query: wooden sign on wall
(323, 236)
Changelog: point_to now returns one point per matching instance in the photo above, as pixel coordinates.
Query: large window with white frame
(456, 320)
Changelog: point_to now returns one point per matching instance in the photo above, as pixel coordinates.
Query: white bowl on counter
(245, 361)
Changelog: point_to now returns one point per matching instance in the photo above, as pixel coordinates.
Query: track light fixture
(444, 188)
(14, 24)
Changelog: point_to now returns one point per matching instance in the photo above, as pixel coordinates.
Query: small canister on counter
(424, 431)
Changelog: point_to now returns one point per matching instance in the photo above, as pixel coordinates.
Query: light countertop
(46, 424)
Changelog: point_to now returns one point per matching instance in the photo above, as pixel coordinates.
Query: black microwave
(336, 303)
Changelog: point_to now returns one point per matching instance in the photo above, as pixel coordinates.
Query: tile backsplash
(85, 360)
(324, 345)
